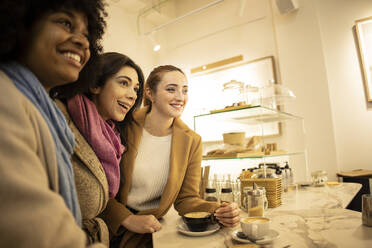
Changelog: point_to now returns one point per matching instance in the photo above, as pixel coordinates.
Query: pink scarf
(102, 137)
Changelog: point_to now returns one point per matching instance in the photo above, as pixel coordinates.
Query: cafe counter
(308, 217)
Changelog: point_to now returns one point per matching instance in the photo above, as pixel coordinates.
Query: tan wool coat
(91, 184)
(181, 189)
(33, 213)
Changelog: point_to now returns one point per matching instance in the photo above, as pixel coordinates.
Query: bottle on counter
(291, 177)
(287, 177)
(210, 195)
(226, 190)
(226, 195)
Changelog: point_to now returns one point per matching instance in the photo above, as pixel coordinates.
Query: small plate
(265, 240)
(182, 228)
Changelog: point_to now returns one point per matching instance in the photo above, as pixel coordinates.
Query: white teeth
(177, 105)
(73, 56)
(121, 104)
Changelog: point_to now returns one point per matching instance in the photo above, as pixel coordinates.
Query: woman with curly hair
(98, 115)
(43, 44)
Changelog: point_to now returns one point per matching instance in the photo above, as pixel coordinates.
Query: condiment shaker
(226, 195)
(210, 195)
(255, 200)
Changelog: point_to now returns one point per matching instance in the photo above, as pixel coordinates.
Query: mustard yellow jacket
(181, 189)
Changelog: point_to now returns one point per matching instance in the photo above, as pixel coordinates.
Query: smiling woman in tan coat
(96, 112)
(161, 166)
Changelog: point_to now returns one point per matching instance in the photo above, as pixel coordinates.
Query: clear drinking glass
(319, 178)
(237, 192)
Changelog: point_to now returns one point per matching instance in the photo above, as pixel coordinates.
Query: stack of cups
(367, 209)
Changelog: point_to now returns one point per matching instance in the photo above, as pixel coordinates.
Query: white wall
(316, 56)
(121, 36)
(294, 41)
(352, 116)
(302, 66)
(215, 34)
(218, 33)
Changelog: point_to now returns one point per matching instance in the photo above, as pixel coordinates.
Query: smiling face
(170, 97)
(117, 96)
(58, 48)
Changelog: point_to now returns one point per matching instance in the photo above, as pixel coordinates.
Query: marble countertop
(326, 228)
(309, 217)
(338, 196)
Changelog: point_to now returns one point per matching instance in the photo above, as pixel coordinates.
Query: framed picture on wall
(363, 29)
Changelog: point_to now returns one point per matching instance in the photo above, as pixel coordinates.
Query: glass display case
(271, 136)
(251, 129)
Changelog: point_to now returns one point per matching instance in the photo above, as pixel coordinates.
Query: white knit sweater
(151, 170)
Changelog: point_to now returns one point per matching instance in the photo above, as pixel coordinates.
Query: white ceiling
(135, 6)
(156, 13)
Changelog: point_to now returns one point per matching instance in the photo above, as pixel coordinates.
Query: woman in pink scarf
(97, 114)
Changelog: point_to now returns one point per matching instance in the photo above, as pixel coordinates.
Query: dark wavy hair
(108, 65)
(18, 16)
(155, 78)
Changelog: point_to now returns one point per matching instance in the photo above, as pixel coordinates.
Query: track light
(156, 45)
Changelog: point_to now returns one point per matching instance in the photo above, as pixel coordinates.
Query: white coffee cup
(255, 227)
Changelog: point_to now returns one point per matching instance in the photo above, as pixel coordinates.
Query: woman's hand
(141, 223)
(228, 214)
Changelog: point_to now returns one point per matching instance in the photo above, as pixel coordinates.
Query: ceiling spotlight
(154, 42)
(156, 48)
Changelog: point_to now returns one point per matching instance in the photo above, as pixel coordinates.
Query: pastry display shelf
(247, 115)
(251, 155)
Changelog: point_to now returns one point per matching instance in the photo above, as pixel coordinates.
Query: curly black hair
(18, 16)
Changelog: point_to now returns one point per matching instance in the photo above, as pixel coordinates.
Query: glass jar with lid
(264, 172)
(273, 95)
(210, 195)
(251, 95)
(233, 93)
(319, 178)
(227, 195)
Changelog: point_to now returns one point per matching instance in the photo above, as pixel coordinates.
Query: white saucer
(182, 228)
(266, 239)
